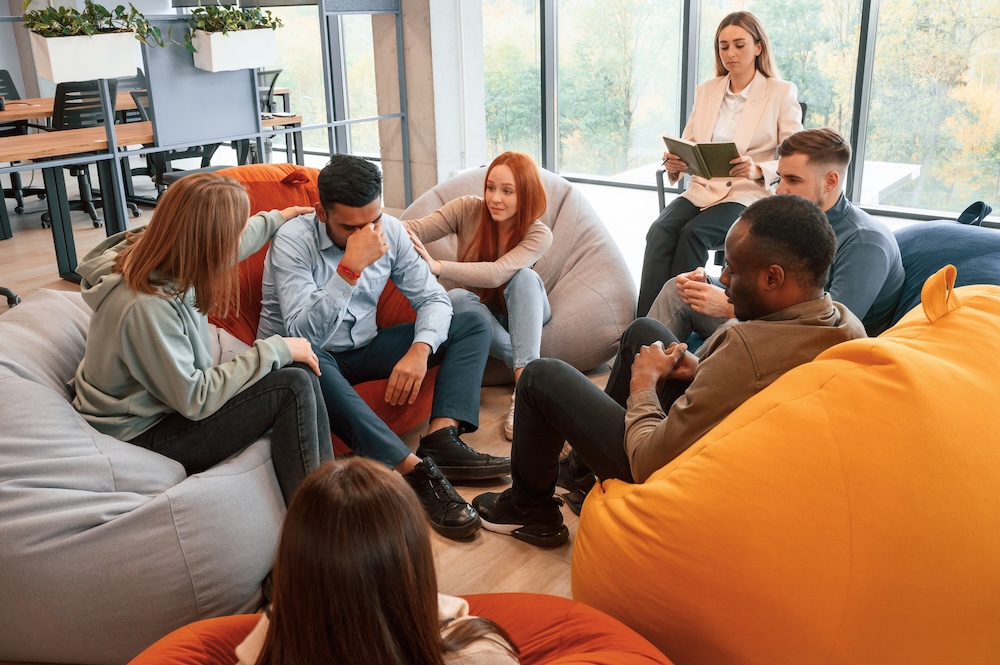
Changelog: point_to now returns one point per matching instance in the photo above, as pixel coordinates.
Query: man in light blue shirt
(323, 277)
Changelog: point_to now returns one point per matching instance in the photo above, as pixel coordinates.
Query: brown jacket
(737, 362)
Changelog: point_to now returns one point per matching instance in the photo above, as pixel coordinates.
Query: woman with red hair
(499, 240)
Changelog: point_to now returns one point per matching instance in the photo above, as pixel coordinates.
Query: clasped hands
(743, 167)
(654, 364)
(702, 296)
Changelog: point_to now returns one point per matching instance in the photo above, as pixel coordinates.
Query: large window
(618, 85)
(933, 137)
(512, 72)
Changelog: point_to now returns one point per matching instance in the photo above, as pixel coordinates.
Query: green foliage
(228, 18)
(93, 20)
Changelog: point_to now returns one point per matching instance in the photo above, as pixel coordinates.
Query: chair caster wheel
(46, 225)
(19, 210)
(41, 197)
(137, 213)
(98, 224)
(13, 301)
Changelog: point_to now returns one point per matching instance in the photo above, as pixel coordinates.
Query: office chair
(719, 259)
(160, 163)
(78, 105)
(12, 298)
(16, 190)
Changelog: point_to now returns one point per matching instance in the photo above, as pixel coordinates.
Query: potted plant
(229, 37)
(73, 45)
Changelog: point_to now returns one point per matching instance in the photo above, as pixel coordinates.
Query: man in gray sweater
(660, 398)
(867, 272)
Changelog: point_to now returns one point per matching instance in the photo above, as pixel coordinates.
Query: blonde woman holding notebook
(747, 104)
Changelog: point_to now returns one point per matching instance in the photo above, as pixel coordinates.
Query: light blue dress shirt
(304, 296)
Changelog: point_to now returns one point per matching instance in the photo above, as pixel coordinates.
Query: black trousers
(679, 241)
(557, 403)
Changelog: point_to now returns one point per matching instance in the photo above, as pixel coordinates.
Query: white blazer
(771, 114)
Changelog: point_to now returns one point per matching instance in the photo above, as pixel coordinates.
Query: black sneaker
(576, 480)
(498, 514)
(448, 512)
(457, 460)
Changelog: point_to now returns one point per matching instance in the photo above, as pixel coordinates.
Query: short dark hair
(350, 181)
(794, 233)
(821, 146)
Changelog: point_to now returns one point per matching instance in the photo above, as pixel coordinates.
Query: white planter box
(239, 49)
(83, 58)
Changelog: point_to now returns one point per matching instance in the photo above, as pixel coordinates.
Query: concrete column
(443, 54)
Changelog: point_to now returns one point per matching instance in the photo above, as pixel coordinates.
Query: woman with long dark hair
(499, 240)
(746, 104)
(354, 582)
(148, 376)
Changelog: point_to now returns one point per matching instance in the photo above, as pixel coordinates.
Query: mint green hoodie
(148, 356)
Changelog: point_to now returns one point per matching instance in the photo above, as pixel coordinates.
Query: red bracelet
(347, 273)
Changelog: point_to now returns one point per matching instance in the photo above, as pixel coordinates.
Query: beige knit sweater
(461, 218)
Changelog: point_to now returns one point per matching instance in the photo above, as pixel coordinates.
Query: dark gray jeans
(287, 401)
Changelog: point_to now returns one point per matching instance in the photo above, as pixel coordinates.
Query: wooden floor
(486, 563)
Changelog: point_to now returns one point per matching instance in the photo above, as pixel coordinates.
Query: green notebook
(708, 160)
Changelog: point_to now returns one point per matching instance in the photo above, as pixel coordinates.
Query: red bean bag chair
(547, 629)
(278, 186)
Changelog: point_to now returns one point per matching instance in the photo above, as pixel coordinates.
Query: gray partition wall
(192, 106)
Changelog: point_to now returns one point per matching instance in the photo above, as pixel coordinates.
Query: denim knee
(525, 278)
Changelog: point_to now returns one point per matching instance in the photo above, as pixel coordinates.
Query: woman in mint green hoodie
(148, 376)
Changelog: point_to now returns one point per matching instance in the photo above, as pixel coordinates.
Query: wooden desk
(39, 108)
(294, 151)
(66, 143)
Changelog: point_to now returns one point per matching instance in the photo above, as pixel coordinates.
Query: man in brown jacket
(660, 398)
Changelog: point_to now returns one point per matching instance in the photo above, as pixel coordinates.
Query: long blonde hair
(765, 61)
(192, 242)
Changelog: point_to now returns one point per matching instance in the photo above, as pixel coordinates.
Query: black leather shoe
(542, 529)
(457, 460)
(449, 514)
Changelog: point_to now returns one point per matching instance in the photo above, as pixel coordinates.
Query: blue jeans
(462, 359)
(286, 401)
(517, 334)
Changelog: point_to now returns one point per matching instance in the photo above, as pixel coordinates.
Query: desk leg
(62, 227)
(296, 136)
(113, 197)
(5, 230)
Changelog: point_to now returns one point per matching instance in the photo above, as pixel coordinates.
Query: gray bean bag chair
(104, 546)
(589, 285)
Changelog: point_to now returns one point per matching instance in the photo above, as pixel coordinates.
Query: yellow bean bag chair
(849, 513)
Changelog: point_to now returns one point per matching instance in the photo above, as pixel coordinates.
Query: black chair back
(266, 78)
(129, 84)
(78, 104)
(9, 92)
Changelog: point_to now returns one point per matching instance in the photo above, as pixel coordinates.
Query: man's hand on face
(365, 246)
(653, 364)
(408, 375)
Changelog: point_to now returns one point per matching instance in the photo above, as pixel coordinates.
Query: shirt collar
(744, 93)
(323, 241)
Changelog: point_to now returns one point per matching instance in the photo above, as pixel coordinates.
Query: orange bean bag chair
(547, 629)
(846, 514)
(278, 186)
